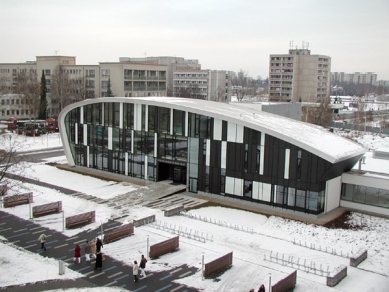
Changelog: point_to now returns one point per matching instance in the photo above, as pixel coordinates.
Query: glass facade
(365, 195)
(157, 143)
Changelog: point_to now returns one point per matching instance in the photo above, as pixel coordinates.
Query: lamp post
(269, 282)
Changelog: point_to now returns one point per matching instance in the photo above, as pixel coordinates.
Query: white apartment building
(299, 75)
(126, 78)
(202, 84)
(355, 78)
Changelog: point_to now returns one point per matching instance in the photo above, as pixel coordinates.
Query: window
(248, 189)
(47, 72)
(105, 72)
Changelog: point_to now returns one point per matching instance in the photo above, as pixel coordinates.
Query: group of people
(141, 267)
(92, 249)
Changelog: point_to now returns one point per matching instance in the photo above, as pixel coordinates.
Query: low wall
(217, 265)
(358, 258)
(47, 209)
(175, 210)
(18, 200)
(118, 232)
(80, 219)
(144, 221)
(286, 284)
(337, 276)
(3, 189)
(164, 247)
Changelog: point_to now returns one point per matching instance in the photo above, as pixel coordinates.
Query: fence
(16, 200)
(81, 219)
(359, 128)
(217, 265)
(164, 247)
(285, 284)
(118, 232)
(47, 209)
(179, 230)
(144, 221)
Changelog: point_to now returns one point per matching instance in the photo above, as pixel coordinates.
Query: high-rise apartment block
(355, 78)
(299, 76)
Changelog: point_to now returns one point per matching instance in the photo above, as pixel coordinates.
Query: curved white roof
(312, 138)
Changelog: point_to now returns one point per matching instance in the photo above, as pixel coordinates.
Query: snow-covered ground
(258, 239)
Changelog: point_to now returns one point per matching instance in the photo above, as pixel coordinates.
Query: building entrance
(176, 173)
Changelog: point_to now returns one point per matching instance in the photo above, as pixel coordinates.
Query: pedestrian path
(24, 233)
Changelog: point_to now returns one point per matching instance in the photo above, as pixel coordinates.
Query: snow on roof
(312, 138)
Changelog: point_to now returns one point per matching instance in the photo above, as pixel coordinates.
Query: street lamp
(269, 282)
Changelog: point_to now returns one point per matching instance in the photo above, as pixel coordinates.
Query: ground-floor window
(365, 195)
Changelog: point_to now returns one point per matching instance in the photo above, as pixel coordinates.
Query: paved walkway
(25, 233)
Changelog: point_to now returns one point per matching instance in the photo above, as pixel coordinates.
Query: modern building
(355, 78)
(215, 149)
(212, 85)
(299, 76)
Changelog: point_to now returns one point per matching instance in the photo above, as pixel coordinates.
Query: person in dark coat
(99, 245)
(77, 254)
(262, 288)
(99, 261)
(142, 266)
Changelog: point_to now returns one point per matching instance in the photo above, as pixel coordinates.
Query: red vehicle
(51, 125)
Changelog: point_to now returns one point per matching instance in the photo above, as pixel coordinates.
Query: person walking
(88, 251)
(93, 247)
(142, 266)
(135, 271)
(99, 245)
(42, 240)
(99, 261)
(77, 254)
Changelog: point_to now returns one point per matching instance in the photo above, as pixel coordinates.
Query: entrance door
(193, 185)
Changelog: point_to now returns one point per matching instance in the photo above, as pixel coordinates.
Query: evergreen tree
(109, 91)
(43, 99)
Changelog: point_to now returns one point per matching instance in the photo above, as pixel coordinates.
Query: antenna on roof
(56, 52)
(291, 45)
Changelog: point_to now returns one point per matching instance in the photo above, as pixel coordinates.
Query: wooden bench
(217, 265)
(17, 200)
(118, 232)
(80, 219)
(47, 209)
(164, 247)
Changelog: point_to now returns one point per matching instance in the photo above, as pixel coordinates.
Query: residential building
(355, 78)
(217, 150)
(90, 81)
(13, 105)
(299, 76)
(171, 62)
(202, 84)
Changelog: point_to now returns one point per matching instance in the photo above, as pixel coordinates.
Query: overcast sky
(221, 34)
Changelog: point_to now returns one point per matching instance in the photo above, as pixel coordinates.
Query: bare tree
(29, 87)
(60, 90)
(243, 86)
(4, 84)
(219, 95)
(12, 165)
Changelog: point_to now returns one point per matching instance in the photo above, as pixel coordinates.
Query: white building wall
(363, 207)
(332, 196)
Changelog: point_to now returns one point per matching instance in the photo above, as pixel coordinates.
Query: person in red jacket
(77, 254)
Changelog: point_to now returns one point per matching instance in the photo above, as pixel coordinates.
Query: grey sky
(225, 34)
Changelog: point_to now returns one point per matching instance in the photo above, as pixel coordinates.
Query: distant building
(354, 78)
(299, 76)
(202, 84)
